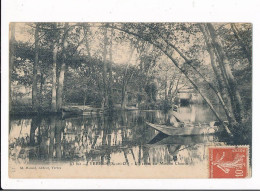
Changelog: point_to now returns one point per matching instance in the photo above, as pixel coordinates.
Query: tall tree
(237, 107)
(11, 60)
(110, 80)
(124, 84)
(211, 51)
(54, 77)
(35, 100)
(104, 73)
(126, 79)
(63, 68)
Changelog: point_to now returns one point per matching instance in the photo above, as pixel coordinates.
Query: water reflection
(121, 139)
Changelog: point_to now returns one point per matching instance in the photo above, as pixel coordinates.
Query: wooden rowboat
(80, 110)
(163, 139)
(185, 130)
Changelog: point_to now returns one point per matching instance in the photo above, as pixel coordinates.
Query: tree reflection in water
(120, 139)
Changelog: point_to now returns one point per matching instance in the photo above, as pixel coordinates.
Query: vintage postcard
(130, 100)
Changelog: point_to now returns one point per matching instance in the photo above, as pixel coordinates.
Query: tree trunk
(124, 97)
(211, 54)
(60, 128)
(41, 92)
(52, 136)
(60, 86)
(34, 124)
(62, 70)
(110, 80)
(87, 47)
(11, 61)
(85, 98)
(54, 79)
(165, 88)
(223, 72)
(174, 93)
(235, 96)
(124, 84)
(171, 87)
(210, 49)
(35, 101)
(105, 98)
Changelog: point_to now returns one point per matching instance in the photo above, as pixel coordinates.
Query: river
(121, 139)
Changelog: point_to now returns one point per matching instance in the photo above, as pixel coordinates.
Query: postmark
(229, 162)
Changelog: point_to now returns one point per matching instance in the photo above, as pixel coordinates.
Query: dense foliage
(145, 65)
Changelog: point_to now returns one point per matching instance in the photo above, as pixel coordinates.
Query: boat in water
(185, 130)
(80, 110)
(163, 139)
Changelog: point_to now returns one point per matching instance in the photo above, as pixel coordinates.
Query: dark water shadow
(160, 136)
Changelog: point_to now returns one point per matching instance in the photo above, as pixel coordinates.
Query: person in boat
(173, 121)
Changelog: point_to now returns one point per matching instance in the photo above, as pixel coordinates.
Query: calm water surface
(121, 139)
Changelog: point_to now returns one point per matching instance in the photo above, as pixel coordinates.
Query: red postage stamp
(228, 162)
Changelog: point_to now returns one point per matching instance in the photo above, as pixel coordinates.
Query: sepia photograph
(130, 100)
